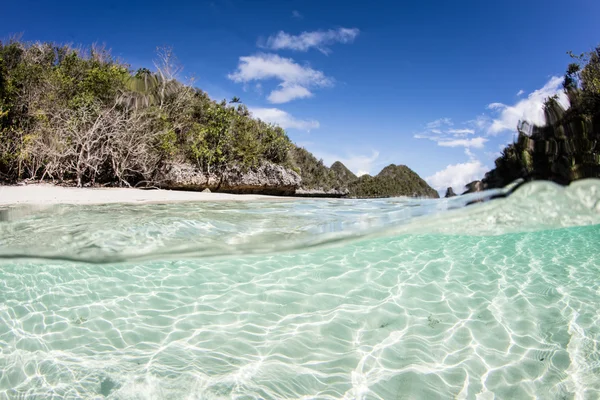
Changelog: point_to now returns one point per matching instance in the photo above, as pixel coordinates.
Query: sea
(399, 298)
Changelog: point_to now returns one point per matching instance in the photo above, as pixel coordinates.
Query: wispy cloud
(440, 132)
(495, 106)
(460, 132)
(480, 122)
(438, 123)
(295, 79)
(476, 142)
(530, 109)
(296, 14)
(283, 119)
(520, 93)
(320, 40)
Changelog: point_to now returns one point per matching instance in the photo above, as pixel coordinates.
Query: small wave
(120, 232)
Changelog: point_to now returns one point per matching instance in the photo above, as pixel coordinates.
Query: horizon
(434, 88)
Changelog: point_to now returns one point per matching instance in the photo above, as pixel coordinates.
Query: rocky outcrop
(475, 186)
(268, 178)
(450, 193)
(321, 193)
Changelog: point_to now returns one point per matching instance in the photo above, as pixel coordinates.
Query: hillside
(342, 173)
(393, 180)
(338, 180)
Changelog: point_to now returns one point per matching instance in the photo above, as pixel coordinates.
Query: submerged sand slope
(44, 194)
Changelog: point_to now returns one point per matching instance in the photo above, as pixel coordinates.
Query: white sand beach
(46, 194)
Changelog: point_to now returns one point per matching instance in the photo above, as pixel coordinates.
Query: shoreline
(49, 194)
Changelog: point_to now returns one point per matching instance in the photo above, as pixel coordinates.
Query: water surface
(378, 299)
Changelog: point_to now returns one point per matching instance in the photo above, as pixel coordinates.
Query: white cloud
(317, 39)
(438, 123)
(362, 172)
(476, 142)
(296, 14)
(295, 78)
(450, 137)
(283, 119)
(457, 175)
(495, 106)
(480, 122)
(520, 92)
(459, 132)
(530, 109)
(287, 93)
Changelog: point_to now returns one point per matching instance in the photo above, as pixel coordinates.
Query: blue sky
(436, 85)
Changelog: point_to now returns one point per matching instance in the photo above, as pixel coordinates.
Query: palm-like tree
(144, 89)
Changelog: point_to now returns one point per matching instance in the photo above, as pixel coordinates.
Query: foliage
(343, 174)
(393, 180)
(72, 114)
(568, 147)
(315, 174)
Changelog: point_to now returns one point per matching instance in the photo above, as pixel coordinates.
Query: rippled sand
(407, 315)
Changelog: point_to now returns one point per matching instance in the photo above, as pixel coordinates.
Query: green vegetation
(343, 174)
(70, 114)
(315, 175)
(568, 147)
(393, 180)
(80, 116)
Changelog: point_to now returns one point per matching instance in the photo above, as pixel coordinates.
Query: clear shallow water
(381, 299)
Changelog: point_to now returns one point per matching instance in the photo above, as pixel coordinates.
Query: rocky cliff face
(268, 178)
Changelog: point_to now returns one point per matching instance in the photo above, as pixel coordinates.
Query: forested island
(78, 116)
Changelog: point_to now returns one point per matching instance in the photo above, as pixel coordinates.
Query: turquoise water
(378, 299)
